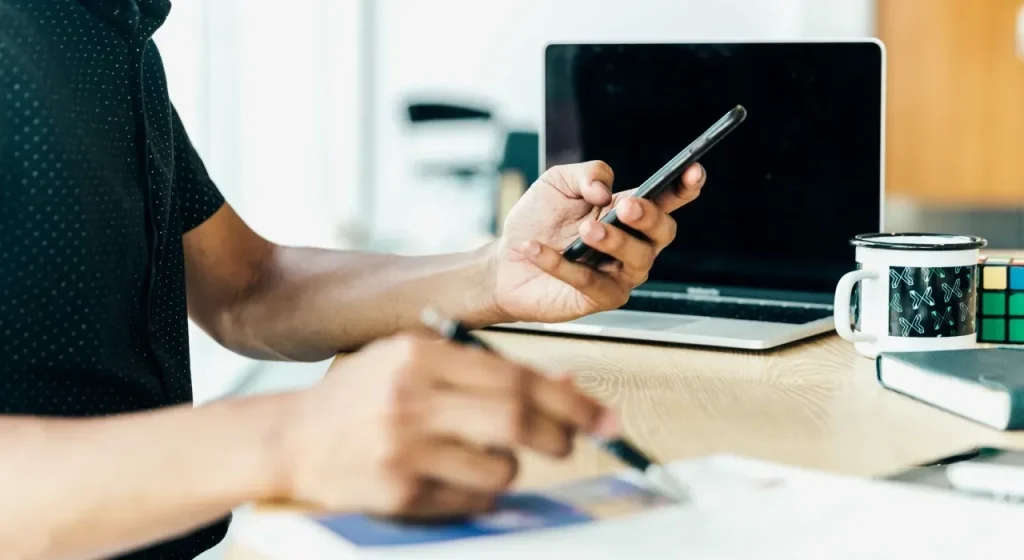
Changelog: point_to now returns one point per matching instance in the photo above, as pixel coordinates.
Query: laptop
(757, 256)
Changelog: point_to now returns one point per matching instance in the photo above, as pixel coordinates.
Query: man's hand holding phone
(534, 281)
(572, 248)
(657, 183)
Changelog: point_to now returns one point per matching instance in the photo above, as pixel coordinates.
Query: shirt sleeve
(198, 196)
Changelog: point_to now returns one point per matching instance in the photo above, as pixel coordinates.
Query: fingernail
(700, 176)
(607, 425)
(531, 248)
(631, 210)
(592, 231)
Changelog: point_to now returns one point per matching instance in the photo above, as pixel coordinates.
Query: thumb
(591, 181)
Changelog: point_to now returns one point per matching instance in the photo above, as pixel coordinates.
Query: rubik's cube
(1001, 300)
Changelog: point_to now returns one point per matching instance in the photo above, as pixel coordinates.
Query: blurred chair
(428, 113)
(506, 177)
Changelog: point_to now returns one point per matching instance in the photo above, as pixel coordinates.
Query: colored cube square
(1016, 330)
(993, 303)
(1000, 306)
(993, 330)
(1017, 278)
(1017, 305)
(993, 277)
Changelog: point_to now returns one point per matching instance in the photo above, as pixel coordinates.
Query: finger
(483, 420)
(509, 456)
(594, 180)
(561, 400)
(607, 425)
(685, 191)
(591, 181)
(446, 364)
(548, 436)
(509, 421)
(468, 467)
(649, 219)
(596, 192)
(440, 501)
(636, 255)
(594, 285)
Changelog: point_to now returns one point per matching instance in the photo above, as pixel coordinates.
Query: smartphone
(668, 175)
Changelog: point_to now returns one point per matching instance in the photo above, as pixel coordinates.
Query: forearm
(93, 488)
(309, 304)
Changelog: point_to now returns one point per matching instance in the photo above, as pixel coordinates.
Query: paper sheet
(742, 509)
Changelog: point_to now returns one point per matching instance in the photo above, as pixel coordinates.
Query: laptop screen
(786, 190)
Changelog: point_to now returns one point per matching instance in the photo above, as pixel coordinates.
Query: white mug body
(912, 292)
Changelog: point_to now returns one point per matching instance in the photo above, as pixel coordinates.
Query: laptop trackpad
(636, 320)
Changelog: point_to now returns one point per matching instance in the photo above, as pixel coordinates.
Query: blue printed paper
(572, 504)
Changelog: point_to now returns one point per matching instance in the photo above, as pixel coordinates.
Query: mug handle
(844, 291)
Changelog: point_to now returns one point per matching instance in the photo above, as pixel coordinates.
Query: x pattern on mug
(932, 302)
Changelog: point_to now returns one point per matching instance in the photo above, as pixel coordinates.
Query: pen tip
(667, 483)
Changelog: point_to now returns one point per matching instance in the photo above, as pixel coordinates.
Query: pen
(620, 448)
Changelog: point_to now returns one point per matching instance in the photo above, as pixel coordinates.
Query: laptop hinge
(749, 297)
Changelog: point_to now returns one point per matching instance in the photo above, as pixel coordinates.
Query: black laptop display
(786, 190)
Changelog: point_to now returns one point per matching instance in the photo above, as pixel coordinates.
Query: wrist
(300, 453)
(481, 302)
(272, 444)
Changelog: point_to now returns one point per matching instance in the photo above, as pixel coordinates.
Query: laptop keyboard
(752, 311)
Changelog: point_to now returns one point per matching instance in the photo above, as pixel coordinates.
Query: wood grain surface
(813, 404)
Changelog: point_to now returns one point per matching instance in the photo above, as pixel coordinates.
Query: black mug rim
(871, 240)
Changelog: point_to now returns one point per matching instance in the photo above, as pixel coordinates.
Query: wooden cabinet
(955, 102)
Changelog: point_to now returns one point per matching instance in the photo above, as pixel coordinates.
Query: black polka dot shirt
(98, 183)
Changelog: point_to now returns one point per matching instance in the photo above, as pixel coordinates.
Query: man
(112, 235)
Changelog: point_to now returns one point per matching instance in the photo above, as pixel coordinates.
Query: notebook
(985, 385)
(987, 473)
(738, 508)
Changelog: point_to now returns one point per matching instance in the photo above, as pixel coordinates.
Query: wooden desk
(815, 404)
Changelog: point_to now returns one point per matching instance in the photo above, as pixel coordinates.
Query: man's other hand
(414, 428)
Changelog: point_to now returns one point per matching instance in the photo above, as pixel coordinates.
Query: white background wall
(491, 51)
(269, 99)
